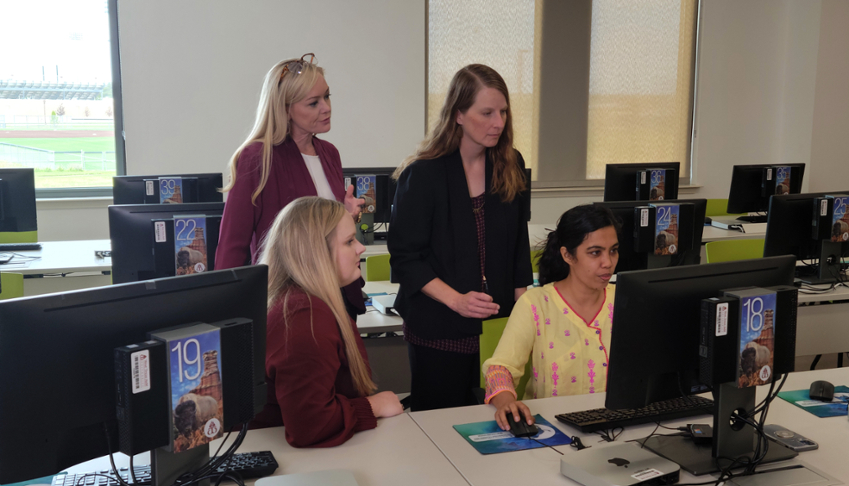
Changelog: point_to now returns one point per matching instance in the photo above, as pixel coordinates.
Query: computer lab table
(60, 266)
(396, 452)
(542, 465)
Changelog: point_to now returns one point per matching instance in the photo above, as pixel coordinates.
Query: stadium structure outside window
(60, 105)
(591, 82)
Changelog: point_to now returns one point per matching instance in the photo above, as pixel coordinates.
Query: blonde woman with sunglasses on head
(282, 160)
(319, 382)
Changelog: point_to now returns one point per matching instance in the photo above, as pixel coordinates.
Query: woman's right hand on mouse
(505, 403)
(385, 404)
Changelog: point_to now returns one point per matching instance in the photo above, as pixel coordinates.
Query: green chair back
(11, 285)
(377, 268)
(19, 236)
(492, 331)
(718, 207)
(733, 250)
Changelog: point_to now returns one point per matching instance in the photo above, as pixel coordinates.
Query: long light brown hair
(298, 250)
(279, 91)
(507, 177)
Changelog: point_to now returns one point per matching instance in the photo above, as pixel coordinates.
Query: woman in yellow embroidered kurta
(565, 325)
(569, 350)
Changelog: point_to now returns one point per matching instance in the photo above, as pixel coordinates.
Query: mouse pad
(488, 438)
(801, 399)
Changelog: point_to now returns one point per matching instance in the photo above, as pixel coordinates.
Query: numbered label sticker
(159, 232)
(722, 319)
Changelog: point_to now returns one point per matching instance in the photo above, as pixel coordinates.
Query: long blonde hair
(298, 250)
(507, 177)
(271, 127)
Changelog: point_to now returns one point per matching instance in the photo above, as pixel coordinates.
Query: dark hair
(572, 229)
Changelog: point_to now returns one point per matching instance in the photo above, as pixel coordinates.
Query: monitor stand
(365, 229)
(166, 467)
(730, 439)
(829, 268)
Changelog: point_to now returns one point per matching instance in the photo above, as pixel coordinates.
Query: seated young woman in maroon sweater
(319, 380)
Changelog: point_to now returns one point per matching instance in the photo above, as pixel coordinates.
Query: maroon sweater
(244, 225)
(310, 388)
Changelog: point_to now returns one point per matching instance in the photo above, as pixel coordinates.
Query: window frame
(118, 112)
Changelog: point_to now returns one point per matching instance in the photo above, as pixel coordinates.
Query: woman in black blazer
(458, 238)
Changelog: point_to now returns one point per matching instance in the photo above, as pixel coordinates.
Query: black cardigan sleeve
(409, 236)
(522, 274)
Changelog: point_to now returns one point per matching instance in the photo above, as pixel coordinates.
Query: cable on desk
(542, 443)
(610, 435)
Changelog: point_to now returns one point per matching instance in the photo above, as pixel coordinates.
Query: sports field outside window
(56, 105)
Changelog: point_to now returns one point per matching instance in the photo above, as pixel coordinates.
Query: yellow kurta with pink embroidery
(569, 352)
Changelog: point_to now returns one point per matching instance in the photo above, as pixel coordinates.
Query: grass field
(89, 178)
(85, 144)
(72, 176)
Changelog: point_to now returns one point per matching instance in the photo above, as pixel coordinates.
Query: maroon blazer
(310, 388)
(244, 225)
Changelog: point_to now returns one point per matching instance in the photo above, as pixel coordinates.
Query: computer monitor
(146, 189)
(804, 225)
(136, 255)
(752, 185)
(631, 259)
(639, 182)
(17, 201)
(379, 192)
(57, 361)
(655, 349)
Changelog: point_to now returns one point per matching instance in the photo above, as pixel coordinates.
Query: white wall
(756, 76)
(193, 69)
(771, 88)
(829, 156)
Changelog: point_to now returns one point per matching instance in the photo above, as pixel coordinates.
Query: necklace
(476, 210)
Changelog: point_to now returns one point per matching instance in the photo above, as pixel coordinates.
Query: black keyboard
(758, 218)
(249, 465)
(604, 419)
(19, 246)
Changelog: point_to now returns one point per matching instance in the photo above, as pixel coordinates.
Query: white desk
(387, 354)
(374, 321)
(542, 466)
(396, 452)
(712, 233)
(63, 266)
(824, 328)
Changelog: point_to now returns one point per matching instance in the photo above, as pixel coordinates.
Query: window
(591, 82)
(641, 83)
(498, 33)
(57, 110)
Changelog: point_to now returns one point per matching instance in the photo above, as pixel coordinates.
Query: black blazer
(432, 233)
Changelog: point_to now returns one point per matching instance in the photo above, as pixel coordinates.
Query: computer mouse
(521, 428)
(822, 390)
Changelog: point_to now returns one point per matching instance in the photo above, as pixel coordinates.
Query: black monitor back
(131, 189)
(131, 232)
(631, 260)
(384, 188)
(620, 180)
(789, 227)
(57, 359)
(17, 200)
(746, 192)
(654, 351)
